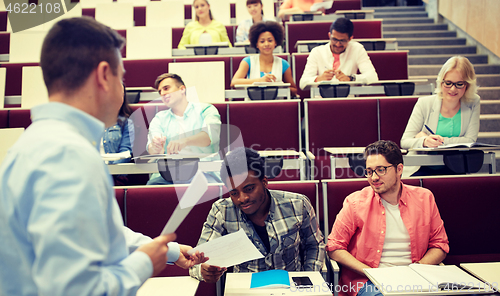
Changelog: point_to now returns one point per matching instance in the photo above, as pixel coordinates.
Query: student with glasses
(340, 59)
(450, 116)
(385, 224)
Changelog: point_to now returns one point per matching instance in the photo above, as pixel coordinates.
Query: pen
(429, 129)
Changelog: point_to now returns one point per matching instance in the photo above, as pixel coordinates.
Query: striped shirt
(292, 228)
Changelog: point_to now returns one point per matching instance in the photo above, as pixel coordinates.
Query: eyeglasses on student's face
(380, 171)
(335, 41)
(458, 84)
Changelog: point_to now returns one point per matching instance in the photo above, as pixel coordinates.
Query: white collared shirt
(353, 58)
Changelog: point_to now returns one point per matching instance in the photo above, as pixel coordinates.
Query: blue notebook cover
(270, 279)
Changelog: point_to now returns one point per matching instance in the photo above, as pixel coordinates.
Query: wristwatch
(353, 77)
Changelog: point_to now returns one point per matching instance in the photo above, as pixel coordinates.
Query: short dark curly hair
(241, 160)
(272, 27)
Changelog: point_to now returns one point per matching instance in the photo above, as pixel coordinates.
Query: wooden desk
(241, 91)
(488, 272)
(239, 284)
(164, 286)
(294, 160)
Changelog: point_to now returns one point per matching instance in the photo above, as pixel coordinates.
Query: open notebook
(423, 278)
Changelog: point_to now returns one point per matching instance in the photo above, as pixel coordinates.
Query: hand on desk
(210, 273)
(157, 251)
(175, 146)
(268, 78)
(157, 144)
(341, 76)
(433, 141)
(326, 76)
(186, 261)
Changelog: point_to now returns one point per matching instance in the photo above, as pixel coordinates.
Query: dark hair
(73, 48)
(272, 27)
(209, 11)
(242, 160)
(387, 149)
(343, 25)
(254, 2)
(125, 110)
(164, 76)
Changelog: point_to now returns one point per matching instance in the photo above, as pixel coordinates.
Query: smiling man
(282, 225)
(186, 127)
(385, 224)
(340, 59)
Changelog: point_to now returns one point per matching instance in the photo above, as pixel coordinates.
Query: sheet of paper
(176, 156)
(116, 156)
(195, 191)
(229, 250)
(317, 6)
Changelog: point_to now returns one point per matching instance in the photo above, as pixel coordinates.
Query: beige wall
(479, 18)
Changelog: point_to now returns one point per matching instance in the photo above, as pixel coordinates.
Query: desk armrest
(310, 156)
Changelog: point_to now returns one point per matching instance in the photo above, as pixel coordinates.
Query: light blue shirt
(60, 226)
(197, 117)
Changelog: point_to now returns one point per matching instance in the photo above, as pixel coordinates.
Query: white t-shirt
(396, 250)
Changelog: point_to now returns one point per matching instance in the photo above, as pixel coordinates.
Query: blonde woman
(204, 30)
(451, 115)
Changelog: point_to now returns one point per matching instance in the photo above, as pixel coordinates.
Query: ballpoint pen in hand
(429, 129)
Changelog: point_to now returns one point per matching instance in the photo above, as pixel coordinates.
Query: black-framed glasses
(335, 41)
(380, 171)
(458, 84)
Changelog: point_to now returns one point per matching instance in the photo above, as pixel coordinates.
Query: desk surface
(163, 286)
(488, 272)
(239, 284)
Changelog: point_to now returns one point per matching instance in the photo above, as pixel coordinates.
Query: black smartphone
(302, 281)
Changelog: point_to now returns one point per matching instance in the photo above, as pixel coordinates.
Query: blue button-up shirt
(60, 226)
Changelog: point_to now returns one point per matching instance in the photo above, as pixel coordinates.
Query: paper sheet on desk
(195, 191)
(229, 250)
(176, 156)
(116, 156)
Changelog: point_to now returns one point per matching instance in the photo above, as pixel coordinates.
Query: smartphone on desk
(302, 282)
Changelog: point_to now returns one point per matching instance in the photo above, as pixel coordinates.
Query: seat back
(390, 65)
(165, 14)
(462, 214)
(318, 30)
(272, 125)
(344, 5)
(149, 209)
(394, 116)
(115, 15)
(19, 118)
(340, 123)
(205, 81)
(33, 92)
(225, 59)
(4, 42)
(4, 118)
(299, 61)
(9, 136)
(142, 73)
(143, 43)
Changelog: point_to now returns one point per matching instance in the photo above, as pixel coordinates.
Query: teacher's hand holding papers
(157, 251)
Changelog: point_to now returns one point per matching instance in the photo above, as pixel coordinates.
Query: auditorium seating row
(139, 14)
(294, 31)
(471, 224)
(276, 125)
(389, 65)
